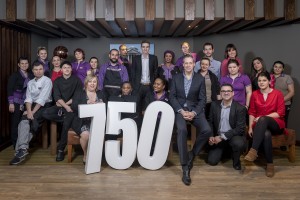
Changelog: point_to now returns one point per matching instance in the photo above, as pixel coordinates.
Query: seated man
(64, 88)
(228, 120)
(38, 97)
(112, 75)
(187, 97)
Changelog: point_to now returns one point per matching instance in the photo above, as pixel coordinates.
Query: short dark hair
(145, 41)
(227, 84)
(93, 58)
(22, 58)
(279, 62)
(233, 61)
(80, 50)
(188, 56)
(205, 58)
(164, 81)
(126, 82)
(113, 50)
(36, 64)
(65, 63)
(208, 44)
(264, 74)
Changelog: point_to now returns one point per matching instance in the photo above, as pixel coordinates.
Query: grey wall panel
(2, 9)
(38, 41)
(100, 9)
(41, 9)
(120, 8)
(21, 9)
(79, 8)
(271, 44)
(219, 8)
(239, 8)
(160, 9)
(179, 9)
(199, 8)
(60, 9)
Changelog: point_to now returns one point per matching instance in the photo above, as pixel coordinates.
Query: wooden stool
(73, 139)
(53, 136)
(289, 141)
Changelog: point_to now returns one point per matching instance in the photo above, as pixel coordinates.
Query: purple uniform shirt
(121, 68)
(80, 69)
(239, 85)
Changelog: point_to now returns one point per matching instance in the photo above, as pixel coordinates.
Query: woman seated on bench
(89, 95)
(266, 117)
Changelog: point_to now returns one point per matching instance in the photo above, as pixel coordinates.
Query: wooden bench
(289, 141)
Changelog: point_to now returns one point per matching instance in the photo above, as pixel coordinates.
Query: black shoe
(237, 166)
(16, 160)
(60, 156)
(191, 159)
(186, 179)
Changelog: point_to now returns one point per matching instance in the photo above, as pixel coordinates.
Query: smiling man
(112, 75)
(188, 97)
(38, 97)
(228, 121)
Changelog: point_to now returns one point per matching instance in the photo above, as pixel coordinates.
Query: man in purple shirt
(112, 75)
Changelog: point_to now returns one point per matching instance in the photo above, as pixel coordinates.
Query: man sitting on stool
(38, 97)
(228, 120)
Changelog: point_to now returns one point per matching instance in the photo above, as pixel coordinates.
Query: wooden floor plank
(43, 178)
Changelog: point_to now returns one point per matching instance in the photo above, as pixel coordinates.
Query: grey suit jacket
(196, 98)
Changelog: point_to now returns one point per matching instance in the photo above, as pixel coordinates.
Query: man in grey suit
(227, 119)
(143, 71)
(188, 98)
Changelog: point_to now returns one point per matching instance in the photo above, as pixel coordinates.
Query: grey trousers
(24, 135)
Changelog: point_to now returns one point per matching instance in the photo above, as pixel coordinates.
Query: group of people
(213, 96)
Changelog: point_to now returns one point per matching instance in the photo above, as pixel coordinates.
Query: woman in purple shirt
(185, 47)
(167, 69)
(241, 83)
(80, 67)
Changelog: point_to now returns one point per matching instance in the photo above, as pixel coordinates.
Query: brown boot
(270, 170)
(251, 155)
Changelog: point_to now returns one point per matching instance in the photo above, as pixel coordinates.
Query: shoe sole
(16, 163)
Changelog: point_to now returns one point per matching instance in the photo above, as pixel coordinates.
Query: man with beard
(112, 75)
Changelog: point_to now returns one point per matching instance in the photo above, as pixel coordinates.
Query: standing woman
(89, 95)
(285, 84)
(230, 53)
(266, 118)
(42, 58)
(80, 66)
(16, 91)
(241, 83)
(258, 66)
(56, 71)
(167, 69)
(94, 66)
(212, 84)
(185, 48)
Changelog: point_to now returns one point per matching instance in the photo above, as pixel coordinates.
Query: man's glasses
(226, 91)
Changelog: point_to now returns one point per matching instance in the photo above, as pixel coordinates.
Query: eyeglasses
(226, 91)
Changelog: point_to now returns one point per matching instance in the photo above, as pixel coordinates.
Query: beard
(113, 61)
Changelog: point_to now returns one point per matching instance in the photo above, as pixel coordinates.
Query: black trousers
(142, 92)
(54, 113)
(203, 133)
(262, 134)
(236, 144)
(15, 118)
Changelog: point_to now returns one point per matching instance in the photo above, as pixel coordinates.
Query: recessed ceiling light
(190, 26)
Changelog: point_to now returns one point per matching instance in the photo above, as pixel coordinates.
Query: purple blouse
(80, 69)
(239, 85)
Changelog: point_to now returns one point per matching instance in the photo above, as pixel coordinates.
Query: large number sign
(130, 146)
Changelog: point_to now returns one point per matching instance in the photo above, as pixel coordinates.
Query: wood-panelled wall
(13, 44)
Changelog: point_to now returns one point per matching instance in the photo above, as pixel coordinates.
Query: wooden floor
(40, 177)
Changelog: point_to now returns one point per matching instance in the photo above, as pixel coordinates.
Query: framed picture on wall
(132, 49)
